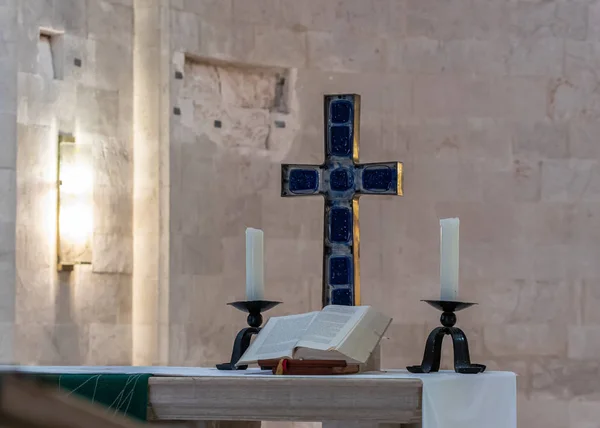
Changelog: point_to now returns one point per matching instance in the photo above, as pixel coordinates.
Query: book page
(363, 339)
(331, 326)
(278, 338)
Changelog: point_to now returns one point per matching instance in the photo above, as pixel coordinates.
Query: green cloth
(119, 393)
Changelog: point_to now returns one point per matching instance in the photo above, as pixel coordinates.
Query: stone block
(8, 88)
(84, 51)
(8, 152)
(582, 139)
(113, 211)
(7, 294)
(562, 219)
(7, 345)
(442, 96)
(113, 163)
(240, 212)
(457, 19)
(584, 342)
(98, 110)
(522, 98)
(279, 47)
(524, 301)
(50, 344)
(27, 49)
(525, 340)
(583, 413)
(203, 345)
(109, 344)
(363, 17)
(34, 247)
(537, 57)
(220, 10)
(35, 295)
(423, 55)
(36, 13)
(256, 11)
(570, 180)
(526, 176)
(226, 43)
(104, 298)
(546, 412)
(71, 16)
(552, 19)
(8, 19)
(591, 298)
(8, 195)
(540, 140)
(286, 260)
(457, 185)
(593, 15)
(113, 65)
(112, 253)
(186, 28)
(564, 378)
(310, 14)
(110, 21)
(200, 255)
(345, 53)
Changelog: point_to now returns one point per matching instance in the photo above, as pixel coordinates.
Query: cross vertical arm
(341, 180)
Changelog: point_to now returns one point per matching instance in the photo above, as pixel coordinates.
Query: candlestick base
(433, 347)
(242, 340)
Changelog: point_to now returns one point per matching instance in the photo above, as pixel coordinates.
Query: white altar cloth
(450, 400)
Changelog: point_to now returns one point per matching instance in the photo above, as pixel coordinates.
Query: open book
(348, 333)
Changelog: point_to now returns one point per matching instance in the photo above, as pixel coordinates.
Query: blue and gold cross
(341, 180)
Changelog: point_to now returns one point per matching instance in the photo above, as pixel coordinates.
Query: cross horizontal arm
(379, 178)
(301, 180)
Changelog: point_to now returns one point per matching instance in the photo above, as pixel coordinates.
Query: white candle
(255, 278)
(449, 251)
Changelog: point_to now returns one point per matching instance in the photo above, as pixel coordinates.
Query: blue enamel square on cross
(341, 180)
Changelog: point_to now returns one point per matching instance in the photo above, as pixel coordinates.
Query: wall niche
(236, 106)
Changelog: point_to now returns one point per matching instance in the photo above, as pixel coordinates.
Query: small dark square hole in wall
(178, 75)
(177, 111)
(77, 62)
(218, 124)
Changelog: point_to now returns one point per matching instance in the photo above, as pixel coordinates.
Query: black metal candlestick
(433, 348)
(242, 340)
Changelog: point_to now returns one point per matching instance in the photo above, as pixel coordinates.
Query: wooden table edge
(410, 388)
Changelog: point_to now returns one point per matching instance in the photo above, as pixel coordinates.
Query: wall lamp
(75, 201)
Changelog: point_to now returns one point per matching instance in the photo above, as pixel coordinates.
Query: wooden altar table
(392, 398)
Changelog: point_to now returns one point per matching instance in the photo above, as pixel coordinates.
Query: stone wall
(492, 108)
(8, 169)
(75, 68)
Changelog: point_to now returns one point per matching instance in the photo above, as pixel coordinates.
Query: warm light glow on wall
(75, 203)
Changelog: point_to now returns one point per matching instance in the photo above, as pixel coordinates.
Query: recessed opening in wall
(236, 104)
(50, 54)
(244, 85)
